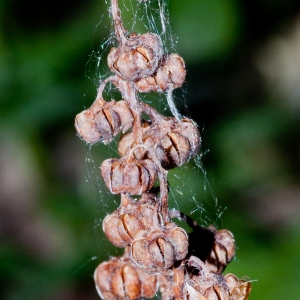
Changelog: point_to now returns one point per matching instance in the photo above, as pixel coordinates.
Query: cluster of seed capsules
(158, 256)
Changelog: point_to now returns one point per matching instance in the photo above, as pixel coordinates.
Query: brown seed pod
(123, 224)
(204, 284)
(120, 279)
(222, 252)
(170, 75)
(138, 58)
(239, 289)
(128, 175)
(156, 251)
(103, 121)
(174, 142)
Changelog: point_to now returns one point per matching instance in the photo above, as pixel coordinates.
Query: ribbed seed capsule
(170, 75)
(222, 252)
(204, 284)
(174, 142)
(103, 121)
(239, 289)
(156, 251)
(139, 57)
(120, 279)
(128, 176)
(123, 224)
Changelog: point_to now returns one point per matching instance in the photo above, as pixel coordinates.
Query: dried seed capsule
(124, 223)
(138, 58)
(128, 176)
(103, 121)
(120, 279)
(222, 252)
(239, 289)
(170, 75)
(174, 142)
(204, 284)
(156, 251)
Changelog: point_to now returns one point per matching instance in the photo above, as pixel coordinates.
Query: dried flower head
(157, 250)
(174, 142)
(128, 175)
(169, 76)
(138, 57)
(222, 252)
(120, 278)
(123, 224)
(103, 121)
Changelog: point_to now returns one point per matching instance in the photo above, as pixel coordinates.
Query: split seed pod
(222, 252)
(121, 279)
(103, 121)
(138, 58)
(128, 176)
(204, 284)
(156, 251)
(174, 142)
(169, 76)
(123, 224)
(239, 289)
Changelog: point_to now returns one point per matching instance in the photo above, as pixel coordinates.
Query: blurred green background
(243, 89)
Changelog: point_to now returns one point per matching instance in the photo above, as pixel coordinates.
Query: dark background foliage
(243, 89)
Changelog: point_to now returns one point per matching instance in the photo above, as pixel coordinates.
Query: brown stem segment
(119, 27)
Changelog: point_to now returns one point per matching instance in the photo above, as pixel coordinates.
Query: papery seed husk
(151, 169)
(149, 283)
(147, 212)
(226, 238)
(131, 65)
(146, 85)
(190, 131)
(132, 283)
(128, 226)
(179, 239)
(106, 172)
(104, 127)
(192, 294)
(117, 177)
(125, 143)
(133, 175)
(162, 253)
(125, 115)
(86, 128)
(113, 120)
(181, 146)
(140, 252)
(214, 293)
(117, 284)
(239, 289)
(112, 232)
(172, 73)
(112, 58)
(102, 278)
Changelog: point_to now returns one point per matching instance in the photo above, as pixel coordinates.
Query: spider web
(189, 187)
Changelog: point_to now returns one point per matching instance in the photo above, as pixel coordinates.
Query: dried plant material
(169, 76)
(153, 244)
(239, 289)
(120, 278)
(156, 251)
(138, 57)
(128, 176)
(174, 142)
(123, 224)
(103, 121)
(222, 252)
